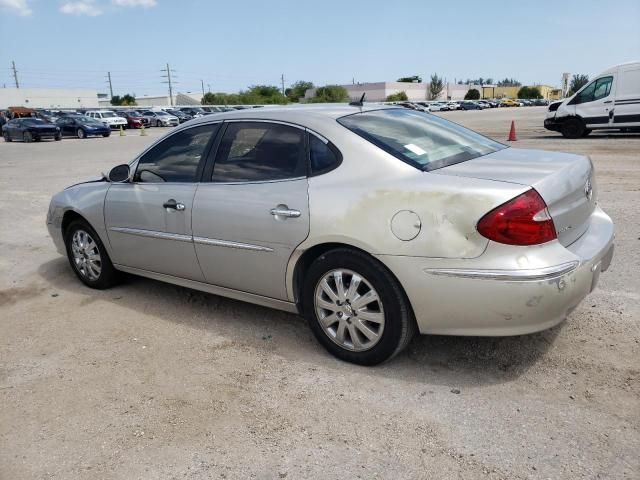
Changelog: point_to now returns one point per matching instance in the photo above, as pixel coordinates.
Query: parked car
(337, 213)
(434, 106)
(195, 112)
(29, 129)
(453, 105)
(182, 117)
(469, 105)
(160, 118)
(483, 103)
(82, 126)
(45, 115)
(134, 118)
(507, 102)
(108, 117)
(610, 101)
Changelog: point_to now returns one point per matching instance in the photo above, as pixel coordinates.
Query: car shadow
(592, 136)
(428, 360)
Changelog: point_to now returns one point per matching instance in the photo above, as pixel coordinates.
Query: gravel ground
(150, 381)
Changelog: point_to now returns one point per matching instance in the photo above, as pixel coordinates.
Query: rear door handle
(174, 205)
(284, 211)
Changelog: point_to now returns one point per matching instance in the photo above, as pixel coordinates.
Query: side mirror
(119, 174)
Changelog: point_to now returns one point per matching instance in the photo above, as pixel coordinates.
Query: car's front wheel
(7, 137)
(88, 257)
(27, 137)
(573, 128)
(356, 308)
(80, 133)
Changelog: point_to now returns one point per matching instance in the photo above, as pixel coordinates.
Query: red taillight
(523, 220)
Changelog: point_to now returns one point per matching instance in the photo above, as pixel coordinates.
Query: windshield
(87, 121)
(33, 121)
(422, 140)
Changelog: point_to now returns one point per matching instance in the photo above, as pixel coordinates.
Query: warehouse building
(48, 98)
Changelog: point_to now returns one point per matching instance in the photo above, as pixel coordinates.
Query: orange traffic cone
(512, 132)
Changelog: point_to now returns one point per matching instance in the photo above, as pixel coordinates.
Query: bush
(397, 97)
(529, 92)
(472, 94)
(330, 94)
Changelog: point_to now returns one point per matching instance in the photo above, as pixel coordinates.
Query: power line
(15, 73)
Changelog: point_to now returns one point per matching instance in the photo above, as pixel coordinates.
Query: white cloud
(21, 7)
(81, 7)
(135, 3)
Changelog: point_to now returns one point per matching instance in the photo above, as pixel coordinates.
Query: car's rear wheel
(27, 137)
(572, 128)
(80, 133)
(6, 136)
(106, 134)
(158, 124)
(356, 308)
(88, 257)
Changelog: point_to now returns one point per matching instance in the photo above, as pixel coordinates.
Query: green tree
(472, 94)
(414, 79)
(125, 100)
(397, 97)
(577, 82)
(262, 95)
(509, 82)
(330, 94)
(297, 90)
(529, 92)
(435, 86)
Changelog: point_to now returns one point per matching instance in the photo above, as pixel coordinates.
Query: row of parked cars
(44, 124)
(443, 106)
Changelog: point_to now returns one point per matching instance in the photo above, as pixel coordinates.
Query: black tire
(105, 135)
(58, 137)
(399, 324)
(80, 134)
(109, 276)
(27, 137)
(6, 136)
(572, 128)
(158, 124)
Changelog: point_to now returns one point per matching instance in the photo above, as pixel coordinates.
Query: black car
(182, 116)
(470, 106)
(82, 127)
(30, 129)
(193, 111)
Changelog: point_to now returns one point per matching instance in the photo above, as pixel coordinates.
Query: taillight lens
(523, 220)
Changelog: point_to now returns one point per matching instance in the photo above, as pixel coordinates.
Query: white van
(611, 101)
(108, 117)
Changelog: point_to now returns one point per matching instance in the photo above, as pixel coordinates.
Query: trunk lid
(565, 182)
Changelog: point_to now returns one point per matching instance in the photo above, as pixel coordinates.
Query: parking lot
(150, 380)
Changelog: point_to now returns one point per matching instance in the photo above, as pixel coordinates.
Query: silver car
(372, 222)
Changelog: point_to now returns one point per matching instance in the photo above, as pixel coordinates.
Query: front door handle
(285, 212)
(174, 205)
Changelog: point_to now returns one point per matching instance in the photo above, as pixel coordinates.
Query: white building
(48, 98)
(416, 92)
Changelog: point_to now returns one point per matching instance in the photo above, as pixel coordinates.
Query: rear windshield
(420, 139)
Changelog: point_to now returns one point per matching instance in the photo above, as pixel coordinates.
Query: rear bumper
(471, 298)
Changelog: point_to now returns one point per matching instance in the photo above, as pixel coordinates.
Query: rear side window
(422, 140)
(176, 159)
(322, 156)
(259, 151)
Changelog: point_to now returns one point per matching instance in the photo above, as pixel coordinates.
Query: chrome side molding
(524, 275)
(226, 243)
(153, 234)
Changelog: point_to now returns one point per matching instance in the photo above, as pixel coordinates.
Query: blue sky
(233, 44)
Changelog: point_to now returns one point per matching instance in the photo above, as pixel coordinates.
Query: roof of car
(302, 114)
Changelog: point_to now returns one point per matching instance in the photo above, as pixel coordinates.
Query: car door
(149, 219)
(594, 103)
(66, 126)
(252, 209)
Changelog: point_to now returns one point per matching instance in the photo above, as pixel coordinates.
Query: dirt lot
(152, 381)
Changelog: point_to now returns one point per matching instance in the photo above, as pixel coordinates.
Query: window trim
(201, 165)
(207, 172)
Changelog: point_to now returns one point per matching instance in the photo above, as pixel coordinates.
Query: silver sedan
(372, 222)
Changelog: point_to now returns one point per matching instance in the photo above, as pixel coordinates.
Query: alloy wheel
(349, 310)
(86, 255)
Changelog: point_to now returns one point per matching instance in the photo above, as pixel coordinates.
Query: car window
(322, 157)
(176, 158)
(424, 141)
(259, 151)
(603, 88)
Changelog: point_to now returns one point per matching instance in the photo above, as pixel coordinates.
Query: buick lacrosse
(372, 222)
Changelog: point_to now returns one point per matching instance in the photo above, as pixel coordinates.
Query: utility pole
(282, 80)
(209, 87)
(15, 73)
(169, 81)
(110, 85)
(202, 83)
